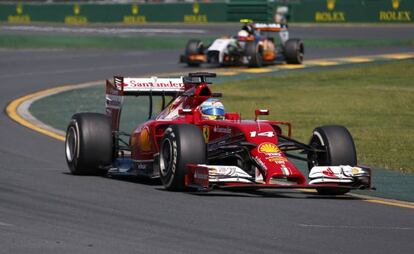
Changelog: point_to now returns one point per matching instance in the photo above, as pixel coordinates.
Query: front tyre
(182, 144)
(89, 143)
(340, 149)
(194, 47)
(253, 53)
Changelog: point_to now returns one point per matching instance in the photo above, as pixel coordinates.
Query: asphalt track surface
(43, 209)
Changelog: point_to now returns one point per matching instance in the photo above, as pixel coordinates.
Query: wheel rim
(165, 156)
(300, 53)
(318, 159)
(71, 144)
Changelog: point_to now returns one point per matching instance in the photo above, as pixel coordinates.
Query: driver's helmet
(242, 33)
(248, 28)
(212, 109)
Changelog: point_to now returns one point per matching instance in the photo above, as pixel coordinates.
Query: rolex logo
(135, 9)
(76, 9)
(196, 8)
(19, 9)
(395, 4)
(330, 4)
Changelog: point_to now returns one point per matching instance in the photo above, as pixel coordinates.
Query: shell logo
(268, 148)
(356, 171)
(144, 140)
(395, 4)
(330, 4)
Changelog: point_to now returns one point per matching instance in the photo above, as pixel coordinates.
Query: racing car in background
(187, 151)
(256, 44)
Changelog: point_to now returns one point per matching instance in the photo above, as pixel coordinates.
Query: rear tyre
(194, 47)
(182, 144)
(294, 51)
(89, 143)
(254, 54)
(340, 150)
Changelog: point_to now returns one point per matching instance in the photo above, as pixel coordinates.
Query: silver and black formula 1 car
(256, 44)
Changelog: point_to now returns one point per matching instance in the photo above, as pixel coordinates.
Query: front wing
(207, 177)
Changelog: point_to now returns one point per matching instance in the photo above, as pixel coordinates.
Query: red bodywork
(184, 109)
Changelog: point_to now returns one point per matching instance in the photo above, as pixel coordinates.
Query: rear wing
(147, 86)
(174, 87)
(124, 86)
(270, 27)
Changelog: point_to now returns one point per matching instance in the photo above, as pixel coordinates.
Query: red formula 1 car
(190, 151)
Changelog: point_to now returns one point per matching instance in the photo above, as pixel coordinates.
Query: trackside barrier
(83, 13)
(363, 11)
(309, 11)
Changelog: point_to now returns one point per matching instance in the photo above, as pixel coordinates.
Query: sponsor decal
(144, 139)
(395, 4)
(329, 172)
(285, 170)
(170, 84)
(134, 18)
(228, 171)
(141, 166)
(277, 159)
(330, 5)
(148, 84)
(170, 108)
(200, 175)
(220, 129)
(76, 19)
(357, 171)
(269, 148)
(331, 15)
(118, 82)
(272, 152)
(268, 134)
(395, 14)
(206, 133)
(196, 17)
(19, 17)
(264, 25)
(260, 162)
(113, 101)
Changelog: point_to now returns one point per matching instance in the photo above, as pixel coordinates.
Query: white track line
(353, 227)
(102, 30)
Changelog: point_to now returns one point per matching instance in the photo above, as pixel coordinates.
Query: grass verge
(375, 101)
(158, 42)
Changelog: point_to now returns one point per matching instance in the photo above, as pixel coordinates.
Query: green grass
(157, 42)
(340, 43)
(375, 102)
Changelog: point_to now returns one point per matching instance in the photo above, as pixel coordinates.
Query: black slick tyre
(253, 54)
(89, 143)
(181, 144)
(294, 51)
(194, 47)
(340, 150)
